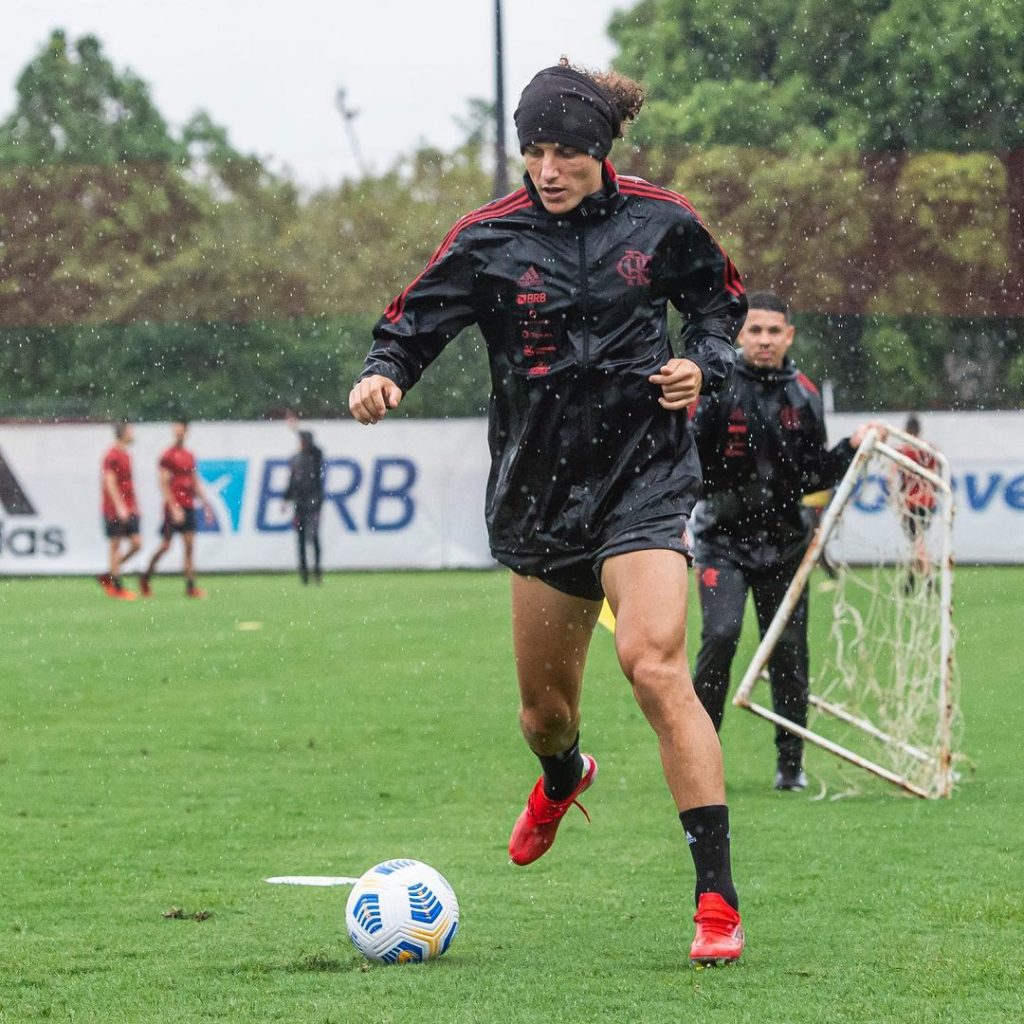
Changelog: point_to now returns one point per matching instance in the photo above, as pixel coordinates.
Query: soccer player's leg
(191, 590)
(133, 541)
(128, 546)
(551, 633)
(145, 579)
(788, 669)
(108, 579)
(722, 589)
(314, 533)
(301, 526)
(648, 591)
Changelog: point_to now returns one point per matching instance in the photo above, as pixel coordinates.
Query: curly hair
(626, 94)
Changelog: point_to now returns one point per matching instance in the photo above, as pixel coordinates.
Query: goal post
(884, 695)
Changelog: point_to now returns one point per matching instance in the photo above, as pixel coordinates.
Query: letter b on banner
(391, 505)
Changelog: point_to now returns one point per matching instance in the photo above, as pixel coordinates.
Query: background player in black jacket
(762, 447)
(593, 472)
(306, 490)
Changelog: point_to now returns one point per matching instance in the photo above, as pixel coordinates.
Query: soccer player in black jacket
(593, 472)
(762, 448)
(306, 490)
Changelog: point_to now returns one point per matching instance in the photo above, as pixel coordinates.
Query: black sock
(707, 832)
(190, 583)
(116, 580)
(562, 772)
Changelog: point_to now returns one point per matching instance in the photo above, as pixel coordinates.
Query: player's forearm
(114, 494)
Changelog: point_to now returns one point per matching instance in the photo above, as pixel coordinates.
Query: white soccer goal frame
(943, 776)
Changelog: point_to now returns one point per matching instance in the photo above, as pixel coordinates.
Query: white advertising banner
(986, 458)
(401, 494)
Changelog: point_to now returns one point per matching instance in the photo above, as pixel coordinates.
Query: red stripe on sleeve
(807, 383)
(502, 208)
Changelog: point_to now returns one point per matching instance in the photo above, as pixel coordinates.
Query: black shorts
(187, 524)
(917, 520)
(578, 573)
(121, 527)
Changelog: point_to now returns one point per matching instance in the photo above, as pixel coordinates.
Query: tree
(111, 217)
(74, 107)
(885, 78)
(868, 160)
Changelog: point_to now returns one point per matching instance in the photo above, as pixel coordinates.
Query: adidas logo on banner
(531, 279)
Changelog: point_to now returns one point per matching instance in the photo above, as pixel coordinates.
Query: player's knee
(650, 671)
(664, 692)
(546, 721)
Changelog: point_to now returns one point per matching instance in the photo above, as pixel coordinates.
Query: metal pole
(500, 157)
(348, 115)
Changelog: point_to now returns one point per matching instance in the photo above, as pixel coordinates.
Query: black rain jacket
(306, 482)
(573, 309)
(762, 448)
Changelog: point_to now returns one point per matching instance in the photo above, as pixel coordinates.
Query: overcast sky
(269, 70)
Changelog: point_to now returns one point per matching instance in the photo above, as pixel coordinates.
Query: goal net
(884, 687)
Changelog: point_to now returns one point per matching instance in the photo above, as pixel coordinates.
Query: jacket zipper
(588, 424)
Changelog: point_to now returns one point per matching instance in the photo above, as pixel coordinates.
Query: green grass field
(155, 756)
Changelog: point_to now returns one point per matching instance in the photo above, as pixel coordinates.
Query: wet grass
(157, 762)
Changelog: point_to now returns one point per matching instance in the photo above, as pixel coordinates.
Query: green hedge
(256, 370)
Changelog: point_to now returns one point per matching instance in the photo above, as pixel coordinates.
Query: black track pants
(307, 528)
(723, 593)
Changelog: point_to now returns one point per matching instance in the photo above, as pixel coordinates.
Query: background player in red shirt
(915, 499)
(180, 486)
(120, 510)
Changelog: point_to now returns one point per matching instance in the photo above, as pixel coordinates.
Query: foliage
(242, 370)
(863, 159)
(865, 74)
(362, 243)
(142, 266)
(74, 107)
(871, 82)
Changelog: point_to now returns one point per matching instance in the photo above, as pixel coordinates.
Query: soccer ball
(402, 910)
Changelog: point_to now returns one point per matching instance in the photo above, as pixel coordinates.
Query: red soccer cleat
(124, 595)
(107, 584)
(535, 829)
(197, 592)
(719, 939)
(144, 588)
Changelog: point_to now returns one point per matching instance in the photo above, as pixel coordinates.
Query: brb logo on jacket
(736, 435)
(24, 540)
(634, 268)
(532, 282)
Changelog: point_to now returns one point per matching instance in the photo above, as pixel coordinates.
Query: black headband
(563, 105)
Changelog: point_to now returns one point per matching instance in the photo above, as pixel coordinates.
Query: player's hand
(861, 432)
(208, 515)
(177, 514)
(680, 381)
(370, 400)
(122, 514)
